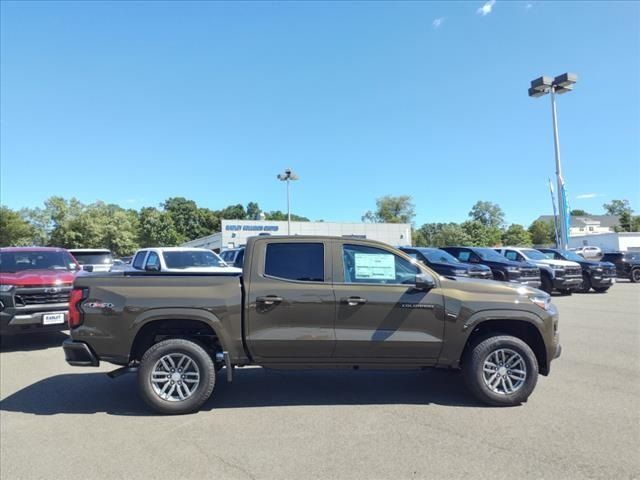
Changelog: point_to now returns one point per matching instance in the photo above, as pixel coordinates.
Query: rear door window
(303, 262)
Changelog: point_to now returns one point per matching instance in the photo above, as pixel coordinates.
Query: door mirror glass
(424, 282)
(87, 268)
(152, 267)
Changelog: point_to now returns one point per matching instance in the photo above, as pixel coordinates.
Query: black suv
(503, 269)
(597, 275)
(627, 264)
(446, 264)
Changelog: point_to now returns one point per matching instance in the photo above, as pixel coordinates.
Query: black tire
(473, 367)
(635, 275)
(566, 291)
(601, 289)
(586, 283)
(547, 284)
(205, 368)
(499, 276)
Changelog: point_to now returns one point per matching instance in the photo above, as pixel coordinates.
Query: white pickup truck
(180, 259)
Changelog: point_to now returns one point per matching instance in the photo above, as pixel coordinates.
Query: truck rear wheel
(176, 376)
(635, 275)
(501, 371)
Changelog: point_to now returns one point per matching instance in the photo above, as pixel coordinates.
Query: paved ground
(582, 422)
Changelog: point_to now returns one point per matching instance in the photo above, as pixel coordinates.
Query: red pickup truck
(35, 284)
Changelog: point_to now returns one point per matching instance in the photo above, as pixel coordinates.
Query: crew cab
(35, 284)
(503, 269)
(446, 264)
(627, 264)
(562, 275)
(597, 275)
(180, 259)
(310, 302)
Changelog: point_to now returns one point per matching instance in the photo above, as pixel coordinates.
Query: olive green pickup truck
(312, 302)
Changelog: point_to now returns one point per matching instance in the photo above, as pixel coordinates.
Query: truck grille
(573, 271)
(529, 273)
(41, 296)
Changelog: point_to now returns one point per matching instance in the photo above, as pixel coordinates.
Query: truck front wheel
(501, 371)
(176, 376)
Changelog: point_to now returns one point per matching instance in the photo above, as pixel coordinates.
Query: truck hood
(476, 285)
(31, 278)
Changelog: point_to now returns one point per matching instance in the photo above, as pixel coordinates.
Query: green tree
(542, 233)
(516, 236)
(480, 234)
(617, 207)
(253, 211)
(277, 215)
(157, 229)
(487, 213)
(579, 213)
(450, 234)
(233, 212)
(186, 219)
(14, 230)
(40, 221)
(390, 209)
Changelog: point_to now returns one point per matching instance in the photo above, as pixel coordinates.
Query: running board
(121, 371)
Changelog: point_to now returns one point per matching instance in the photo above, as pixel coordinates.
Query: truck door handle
(353, 301)
(269, 300)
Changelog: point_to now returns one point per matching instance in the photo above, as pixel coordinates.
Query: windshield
(568, 255)
(12, 262)
(488, 254)
(534, 254)
(440, 256)
(191, 259)
(93, 258)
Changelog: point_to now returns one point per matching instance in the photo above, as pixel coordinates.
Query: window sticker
(375, 266)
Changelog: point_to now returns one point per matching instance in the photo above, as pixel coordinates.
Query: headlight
(543, 302)
(6, 288)
(513, 269)
(461, 273)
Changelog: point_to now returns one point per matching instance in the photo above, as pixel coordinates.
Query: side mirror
(87, 268)
(424, 282)
(152, 268)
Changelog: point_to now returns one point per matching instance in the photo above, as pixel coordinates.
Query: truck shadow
(252, 387)
(32, 341)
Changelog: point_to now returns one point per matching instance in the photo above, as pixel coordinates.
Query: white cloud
(486, 8)
(437, 22)
(588, 195)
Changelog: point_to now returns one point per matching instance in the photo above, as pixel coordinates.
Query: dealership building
(236, 232)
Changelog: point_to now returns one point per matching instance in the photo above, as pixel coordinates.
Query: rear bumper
(79, 354)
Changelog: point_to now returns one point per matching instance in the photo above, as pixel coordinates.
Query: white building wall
(608, 241)
(236, 232)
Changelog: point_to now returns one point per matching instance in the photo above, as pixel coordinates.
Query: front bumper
(601, 281)
(79, 354)
(13, 320)
(567, 283)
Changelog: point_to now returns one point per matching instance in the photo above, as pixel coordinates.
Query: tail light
(75, 314)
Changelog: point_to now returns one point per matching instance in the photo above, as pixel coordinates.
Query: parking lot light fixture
(287, 176)
(557, 86)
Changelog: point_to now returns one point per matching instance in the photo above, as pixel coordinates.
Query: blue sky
(132, 103)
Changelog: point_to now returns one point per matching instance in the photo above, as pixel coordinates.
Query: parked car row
(35, 282)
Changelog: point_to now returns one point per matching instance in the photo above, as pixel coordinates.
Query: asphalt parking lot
(583, 421)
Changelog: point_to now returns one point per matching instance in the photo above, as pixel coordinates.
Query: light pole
(288, 176)
(557, 86)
